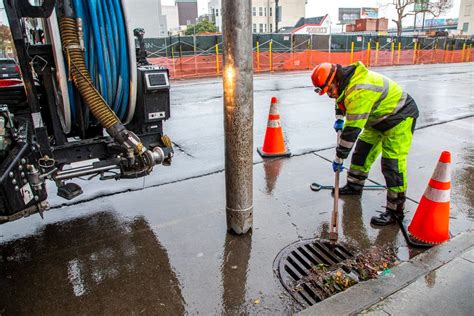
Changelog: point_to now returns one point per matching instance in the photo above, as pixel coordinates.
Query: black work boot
(387, 218)
(350, 189)
(394, 210)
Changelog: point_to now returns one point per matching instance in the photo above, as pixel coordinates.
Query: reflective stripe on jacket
(369, 99)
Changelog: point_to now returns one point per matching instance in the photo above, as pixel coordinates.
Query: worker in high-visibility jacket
(385, 114)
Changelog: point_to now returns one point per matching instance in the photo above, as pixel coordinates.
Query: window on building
(254, 28)
(260, 11)
(260, 28)
(254, 11)
(265, 28)
(265, 11)
(271, 28)
(270, 11)
(465, 27)
(467, 10)
(217, 12)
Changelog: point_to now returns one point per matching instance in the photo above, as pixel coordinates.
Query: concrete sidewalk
(438, 282)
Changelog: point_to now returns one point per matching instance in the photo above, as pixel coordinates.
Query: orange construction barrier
(431, 221)
(200, 66)
(273, 144)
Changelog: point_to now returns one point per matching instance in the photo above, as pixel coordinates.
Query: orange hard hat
(322, 77)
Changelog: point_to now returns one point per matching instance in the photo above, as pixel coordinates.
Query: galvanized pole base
(239, 221)
(238, 113)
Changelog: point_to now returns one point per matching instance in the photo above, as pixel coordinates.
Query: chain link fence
(200, 56)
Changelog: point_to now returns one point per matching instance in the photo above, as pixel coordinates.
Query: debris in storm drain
(370, 264)
(312, 270)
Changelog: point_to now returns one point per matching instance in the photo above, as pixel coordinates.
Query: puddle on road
(154, 253)
(76, 266)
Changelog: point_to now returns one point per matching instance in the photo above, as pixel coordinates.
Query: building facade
(312, 26)
(266, 18)
(187, 11)
(146, 14)
(466, 17)
(172, 18)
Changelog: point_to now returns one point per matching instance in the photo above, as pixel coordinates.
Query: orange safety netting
(211, 65)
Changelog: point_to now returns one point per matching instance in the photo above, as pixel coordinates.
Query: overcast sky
(321, 7)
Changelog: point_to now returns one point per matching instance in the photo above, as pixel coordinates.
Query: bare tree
(402, 11)
(434, 7)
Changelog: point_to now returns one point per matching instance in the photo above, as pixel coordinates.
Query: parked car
(9, 69)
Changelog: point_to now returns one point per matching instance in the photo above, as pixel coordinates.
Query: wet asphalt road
(442, 92)
(165, 250)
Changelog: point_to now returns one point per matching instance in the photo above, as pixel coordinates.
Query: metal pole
(376, 53)
(414, 53)
(398, 55)
(276, 16)
(330, 39)
(414, 25)
(463, 51)
(423, 23)
(194, 50)
(352, 52)
(238, 113)
(368, 54)
(392, 50)
(271, 54)
(258, 56)
(217, 59)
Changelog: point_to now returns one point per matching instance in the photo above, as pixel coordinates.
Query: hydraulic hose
(72, 38)
(80, 75)
(100, 109)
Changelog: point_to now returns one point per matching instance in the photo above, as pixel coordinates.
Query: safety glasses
(318, 90)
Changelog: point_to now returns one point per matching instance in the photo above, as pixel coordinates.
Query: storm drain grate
(293, 265)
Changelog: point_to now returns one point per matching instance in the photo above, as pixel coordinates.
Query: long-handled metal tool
(333, 230)
(318, 187)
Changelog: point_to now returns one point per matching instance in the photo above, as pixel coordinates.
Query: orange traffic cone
(431, 221)
(273, 144)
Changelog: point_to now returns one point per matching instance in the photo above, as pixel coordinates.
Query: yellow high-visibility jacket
(371, 100)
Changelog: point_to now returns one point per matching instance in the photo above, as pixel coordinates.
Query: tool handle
(335, 216)
(336, 202)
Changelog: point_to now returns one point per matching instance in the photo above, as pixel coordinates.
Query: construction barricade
(201, 56)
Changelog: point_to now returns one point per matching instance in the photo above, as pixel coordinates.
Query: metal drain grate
(293, 263)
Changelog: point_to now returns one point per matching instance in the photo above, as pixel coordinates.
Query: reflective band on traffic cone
(431, 221)
(273, 144)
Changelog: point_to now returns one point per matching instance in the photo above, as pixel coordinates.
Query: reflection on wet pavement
(234, 271)
(352, 222)
(90, 264)
(464, 191)
(272, 169)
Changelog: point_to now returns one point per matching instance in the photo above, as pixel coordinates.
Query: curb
(366, 294)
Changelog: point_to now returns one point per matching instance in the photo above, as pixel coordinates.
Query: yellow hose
(80, 75)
